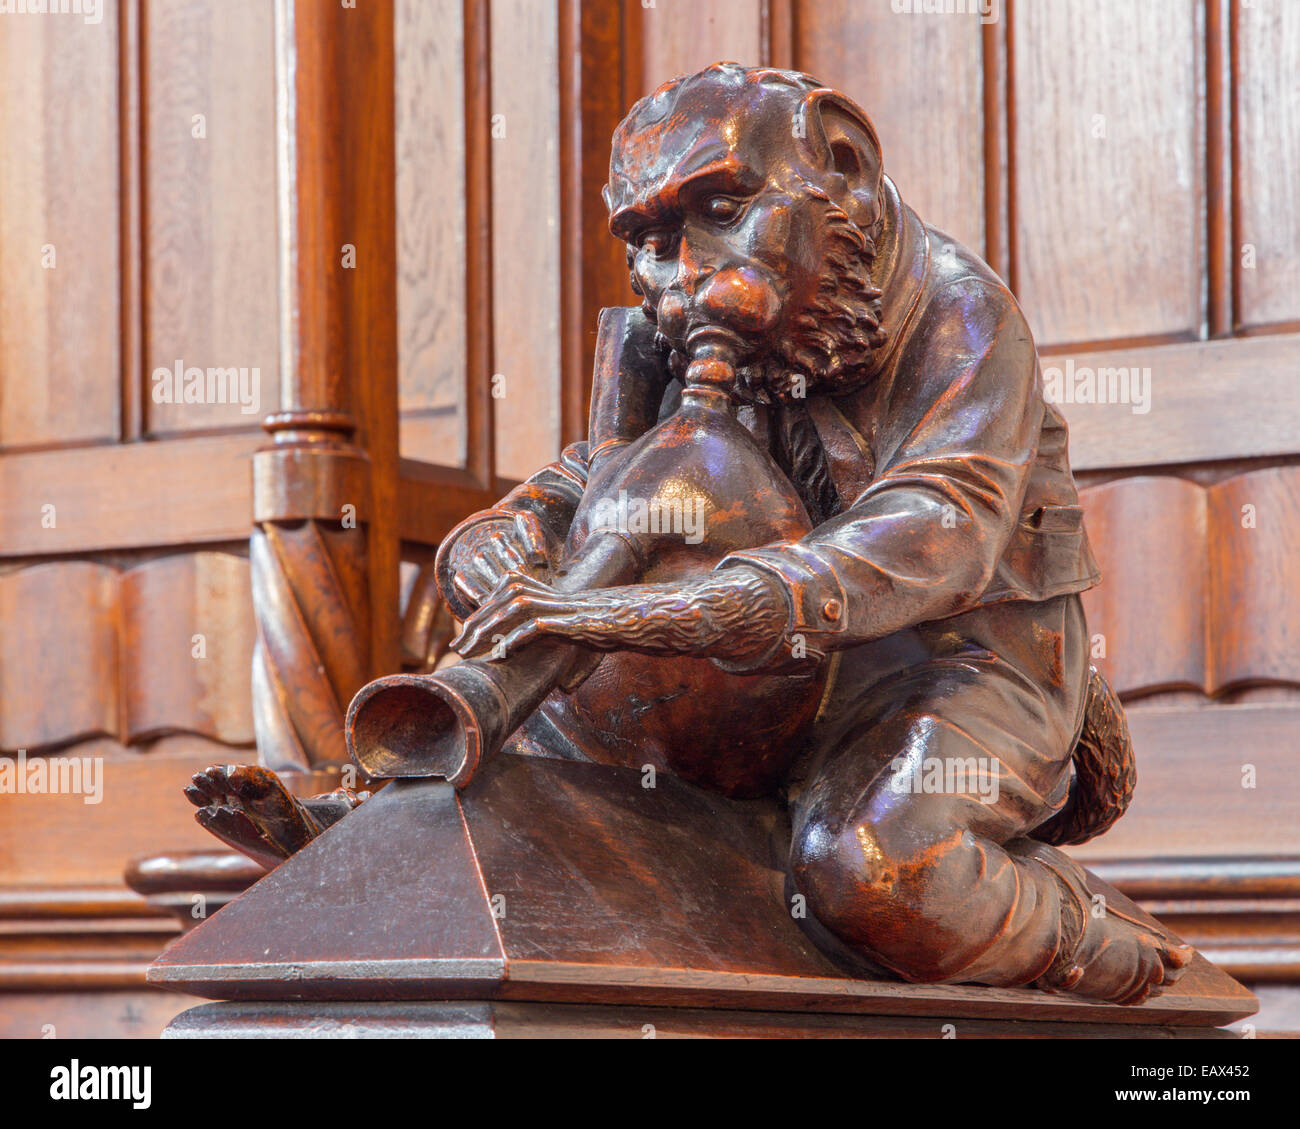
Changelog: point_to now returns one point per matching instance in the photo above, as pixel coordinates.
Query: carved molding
(163, 647)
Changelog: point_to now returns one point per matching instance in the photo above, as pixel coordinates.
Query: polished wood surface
(1209, 605)
(163, 647)
(86, 131)
(324, 567)
(520, 888)
(60, 338)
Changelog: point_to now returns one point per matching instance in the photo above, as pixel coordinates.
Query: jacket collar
(902, 260)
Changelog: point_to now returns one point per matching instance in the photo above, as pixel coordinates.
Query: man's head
(750, 200)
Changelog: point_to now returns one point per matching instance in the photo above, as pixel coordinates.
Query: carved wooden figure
(822, 544)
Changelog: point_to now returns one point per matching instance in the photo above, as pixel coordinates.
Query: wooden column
(325, 545)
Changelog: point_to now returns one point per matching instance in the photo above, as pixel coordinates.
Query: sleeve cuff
(815, 600)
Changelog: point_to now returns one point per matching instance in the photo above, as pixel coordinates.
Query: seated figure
(880, 621)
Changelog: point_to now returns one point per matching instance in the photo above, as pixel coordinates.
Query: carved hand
(485, 553)
(731, 614)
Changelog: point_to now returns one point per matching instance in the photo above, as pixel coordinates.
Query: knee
(855, 873)
(880, 884)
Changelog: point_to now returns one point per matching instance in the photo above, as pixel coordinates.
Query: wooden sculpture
(876, 618)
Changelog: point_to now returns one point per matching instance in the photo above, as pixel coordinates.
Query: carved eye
(656, 240)
(722, 209)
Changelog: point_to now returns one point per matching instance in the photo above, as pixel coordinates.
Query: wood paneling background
(1130, 169)
(1267, 162)
(932, 131)
(210, 276)
(431, 227)
(1108, 217)
(60, 347)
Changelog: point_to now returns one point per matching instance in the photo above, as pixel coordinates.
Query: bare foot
(1123, 961)
(249, 808)
(1108, 954)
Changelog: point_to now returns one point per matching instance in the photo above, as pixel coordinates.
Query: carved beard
(828, 346)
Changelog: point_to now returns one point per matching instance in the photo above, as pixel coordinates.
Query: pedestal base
(485, 1019)
(553, 882)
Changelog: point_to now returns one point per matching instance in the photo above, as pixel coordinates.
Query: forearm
(730, 616)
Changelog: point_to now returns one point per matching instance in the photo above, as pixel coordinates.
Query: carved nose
(740, 298)
(692, 261)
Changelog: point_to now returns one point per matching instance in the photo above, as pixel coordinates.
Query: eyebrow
(726, 175)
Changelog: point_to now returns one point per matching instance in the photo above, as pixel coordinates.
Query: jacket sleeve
(955, 445)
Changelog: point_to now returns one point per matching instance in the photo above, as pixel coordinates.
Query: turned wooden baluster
(324, 549)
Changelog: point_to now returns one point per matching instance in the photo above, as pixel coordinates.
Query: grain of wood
(210, 277)
(431, 310)
(60, 338)
(1109, 156)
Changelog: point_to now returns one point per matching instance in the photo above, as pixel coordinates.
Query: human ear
(844, 142)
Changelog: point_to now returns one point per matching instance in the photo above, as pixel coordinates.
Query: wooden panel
(138, 671)
(525, 235)
(1198, 582)
(58, 654)
(143, 811)
(1268, 161)
(1148, 535)
(436, 437)
(187, 648)
(919, 77)
(434, 499)
(431, 308)
(683, 36)
(210, 221)
(1109, 169)
(1255, 592)
(1190, 798)
(1208, 400)
(60, 337)
(172, 493)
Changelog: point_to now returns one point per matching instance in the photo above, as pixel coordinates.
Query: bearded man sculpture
(930, 601)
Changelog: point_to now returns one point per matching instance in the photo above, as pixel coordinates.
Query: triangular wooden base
(569, 883)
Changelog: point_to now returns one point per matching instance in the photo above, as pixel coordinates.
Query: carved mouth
(707, 340)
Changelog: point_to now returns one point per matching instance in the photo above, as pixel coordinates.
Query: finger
(472, 592)
(200, 789)
(516, 584)
(486, 627)
(579, 628)
(478, 580)
(489, 572)
(505, 557)
(214, 782)
(532, 536)
(507, 608)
